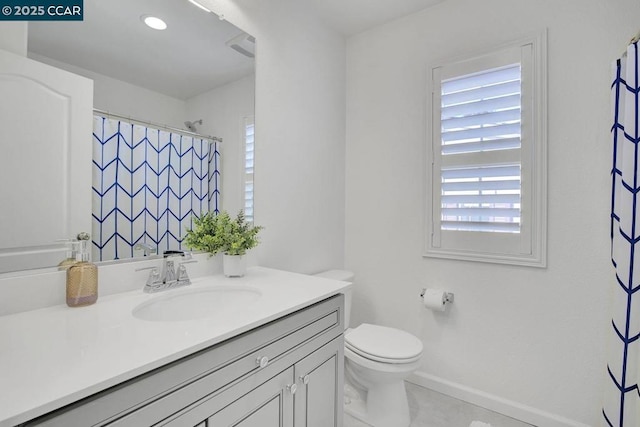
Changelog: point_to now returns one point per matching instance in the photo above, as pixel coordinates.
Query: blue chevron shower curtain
(147, 186)
(622, 398)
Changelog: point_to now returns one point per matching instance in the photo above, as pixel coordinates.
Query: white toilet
(377, 361)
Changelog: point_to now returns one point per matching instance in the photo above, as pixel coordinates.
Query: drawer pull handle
(292, 388)
(262, 361)
(304, 379)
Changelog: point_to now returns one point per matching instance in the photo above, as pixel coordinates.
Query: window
(249, 128)
(487, 157)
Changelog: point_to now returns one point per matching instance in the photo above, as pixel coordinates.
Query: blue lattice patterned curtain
(622, 398)
(148, 184)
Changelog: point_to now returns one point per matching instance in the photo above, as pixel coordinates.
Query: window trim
(532, 240)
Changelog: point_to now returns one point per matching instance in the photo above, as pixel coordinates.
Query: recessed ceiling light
(197, 4)
(154, 22)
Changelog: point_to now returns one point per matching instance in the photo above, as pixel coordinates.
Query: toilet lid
(383, 344)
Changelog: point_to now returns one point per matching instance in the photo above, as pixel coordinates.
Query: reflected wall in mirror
(199, 72)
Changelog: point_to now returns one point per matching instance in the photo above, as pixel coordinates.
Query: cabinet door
(320, 378)
(269, 404)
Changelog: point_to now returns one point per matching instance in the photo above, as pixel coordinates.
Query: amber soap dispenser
(82, 277)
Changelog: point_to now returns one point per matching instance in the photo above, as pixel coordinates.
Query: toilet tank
(345, 276)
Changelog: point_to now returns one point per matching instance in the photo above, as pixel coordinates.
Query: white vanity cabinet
(285, 373)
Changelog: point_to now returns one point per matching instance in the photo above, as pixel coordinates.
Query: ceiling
(189, 57)
(354, 16)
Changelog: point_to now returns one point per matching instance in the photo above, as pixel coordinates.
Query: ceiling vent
(243, 43)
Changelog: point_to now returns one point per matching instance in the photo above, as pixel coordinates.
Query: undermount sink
(193, 304)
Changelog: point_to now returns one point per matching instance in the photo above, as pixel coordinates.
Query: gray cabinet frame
(175, 394)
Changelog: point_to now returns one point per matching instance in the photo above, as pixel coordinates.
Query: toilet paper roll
(434, 299)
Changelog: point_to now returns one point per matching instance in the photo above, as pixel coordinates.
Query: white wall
(13, 37)
(222, 111)
(300, 128)
(122, 98)
(143, 104)
(534, 337)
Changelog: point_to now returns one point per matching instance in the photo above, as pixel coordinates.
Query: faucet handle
(153, 281)
(183, 276)
(154, 277)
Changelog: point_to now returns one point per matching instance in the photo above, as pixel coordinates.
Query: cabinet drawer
(154, 396)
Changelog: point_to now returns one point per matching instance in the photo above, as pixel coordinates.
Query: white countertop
(57, 355)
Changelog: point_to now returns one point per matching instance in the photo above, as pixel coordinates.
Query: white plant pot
(234, 265)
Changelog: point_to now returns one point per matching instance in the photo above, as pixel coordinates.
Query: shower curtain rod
(164, 127)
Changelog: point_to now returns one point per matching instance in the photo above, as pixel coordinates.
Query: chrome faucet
(145, 247)
(169, 278)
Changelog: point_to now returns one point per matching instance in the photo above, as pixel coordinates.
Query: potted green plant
(215, 233)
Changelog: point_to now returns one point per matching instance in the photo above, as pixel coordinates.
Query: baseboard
(506, 407)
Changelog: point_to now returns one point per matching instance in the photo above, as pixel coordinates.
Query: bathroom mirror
(179, 67)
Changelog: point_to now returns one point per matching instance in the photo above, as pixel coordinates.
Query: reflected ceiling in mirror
(192, 55)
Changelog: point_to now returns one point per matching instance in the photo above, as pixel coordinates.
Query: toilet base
(384, 406)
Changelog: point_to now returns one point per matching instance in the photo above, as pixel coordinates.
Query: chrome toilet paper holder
(448, 296)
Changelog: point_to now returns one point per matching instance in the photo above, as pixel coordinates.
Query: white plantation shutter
(249, 130)
(487, 158)
(480, 120)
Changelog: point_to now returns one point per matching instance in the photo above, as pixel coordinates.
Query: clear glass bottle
(82, 277)
(72, 257)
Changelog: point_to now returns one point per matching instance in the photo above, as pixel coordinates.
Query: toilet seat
(383, 344)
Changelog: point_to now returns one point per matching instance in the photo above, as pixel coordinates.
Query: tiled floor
(432, 409)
